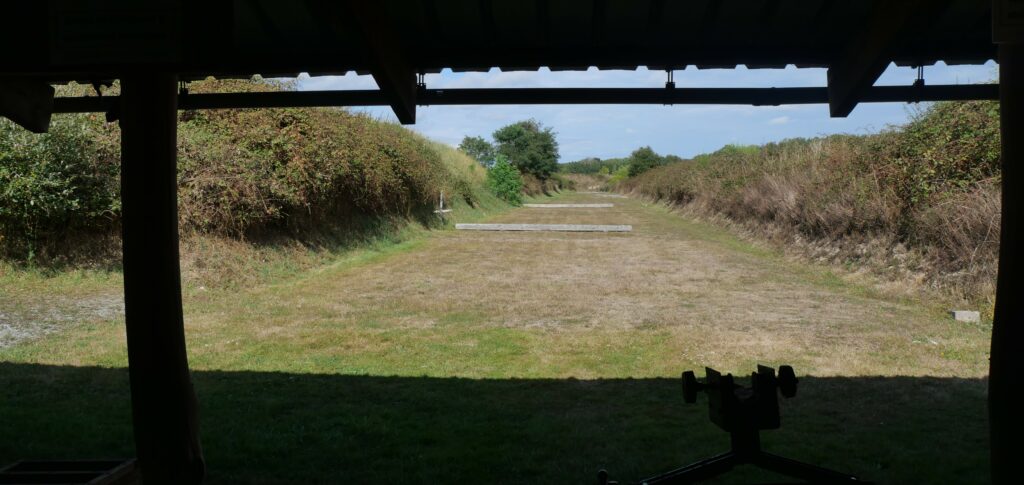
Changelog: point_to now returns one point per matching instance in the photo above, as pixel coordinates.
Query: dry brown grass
(685, 293)
(831, 200)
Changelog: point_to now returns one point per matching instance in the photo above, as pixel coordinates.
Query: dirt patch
(30, 318)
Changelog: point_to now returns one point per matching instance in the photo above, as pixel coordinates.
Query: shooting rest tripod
(743, 413)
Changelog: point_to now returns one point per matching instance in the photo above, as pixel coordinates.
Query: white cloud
(781, 120)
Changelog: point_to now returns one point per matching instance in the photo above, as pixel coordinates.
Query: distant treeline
(593, 165)
(638, 162)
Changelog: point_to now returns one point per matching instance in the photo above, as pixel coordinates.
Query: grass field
(461, 357)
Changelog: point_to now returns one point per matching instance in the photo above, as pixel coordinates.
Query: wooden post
(1006, 372)
(164, 406)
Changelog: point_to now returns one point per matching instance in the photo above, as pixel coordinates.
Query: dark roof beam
(543, 21)
(430, 19)
(599, 22)
(389, 66)
(525, 96)
(655, 14)
(487, 20)
(866, 58)
(768, 10)
(27, 102)
(710, 18)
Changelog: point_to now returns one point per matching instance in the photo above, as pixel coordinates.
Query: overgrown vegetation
(248, 174)
(52, 184)
(505, 181)
(920, 200)
(528, 145)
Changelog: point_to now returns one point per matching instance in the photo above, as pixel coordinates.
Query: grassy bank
(262, 193)
(318, 176)
(918, 204)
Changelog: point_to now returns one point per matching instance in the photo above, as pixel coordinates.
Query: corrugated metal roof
(64, 40)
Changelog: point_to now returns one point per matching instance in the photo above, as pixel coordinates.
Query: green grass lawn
(523, 358)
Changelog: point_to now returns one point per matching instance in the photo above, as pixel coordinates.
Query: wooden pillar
(1006, 372)
(164, 407)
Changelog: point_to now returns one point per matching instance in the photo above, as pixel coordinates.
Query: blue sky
(608, 131)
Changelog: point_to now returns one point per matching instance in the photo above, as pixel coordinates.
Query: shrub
(529, 146)
(505, 181)
(642, 160)
(619, 175)
(54, 183)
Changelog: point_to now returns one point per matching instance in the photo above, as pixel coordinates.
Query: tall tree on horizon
(479, 149)
(529, 146)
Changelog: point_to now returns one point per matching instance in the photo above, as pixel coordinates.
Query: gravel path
(23, 320)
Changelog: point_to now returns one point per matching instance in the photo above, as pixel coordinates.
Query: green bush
(505, 181)
(54, 183)
(642, 160)
(947, 146)
(619, 175)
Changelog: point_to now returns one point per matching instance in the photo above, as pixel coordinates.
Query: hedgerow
(240, 173)
(929, 187)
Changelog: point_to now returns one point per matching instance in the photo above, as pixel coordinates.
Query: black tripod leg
(695, 472)
(801, 470)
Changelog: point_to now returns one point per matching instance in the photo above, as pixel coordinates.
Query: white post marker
(441, 211)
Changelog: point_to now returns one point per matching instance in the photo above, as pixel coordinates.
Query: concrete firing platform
(546, 227)
(569, 206)
(605, 194)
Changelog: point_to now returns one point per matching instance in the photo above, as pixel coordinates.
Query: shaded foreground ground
(525, 358)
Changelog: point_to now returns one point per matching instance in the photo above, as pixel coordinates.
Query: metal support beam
(27, 102)
(164, 406)
(395, 76)
(867, 57)
(1006, 423)
(447, 97)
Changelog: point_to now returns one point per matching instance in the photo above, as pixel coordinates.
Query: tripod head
(743, 412)
(736, 408)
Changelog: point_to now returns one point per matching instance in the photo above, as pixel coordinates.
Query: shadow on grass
(262, 427)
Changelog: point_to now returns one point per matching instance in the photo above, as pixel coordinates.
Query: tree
(479, 149)
(642, 160)
(504, 180)
(530, 147)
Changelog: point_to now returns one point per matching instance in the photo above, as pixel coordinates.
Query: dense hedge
(241, 172)
(55, 183)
